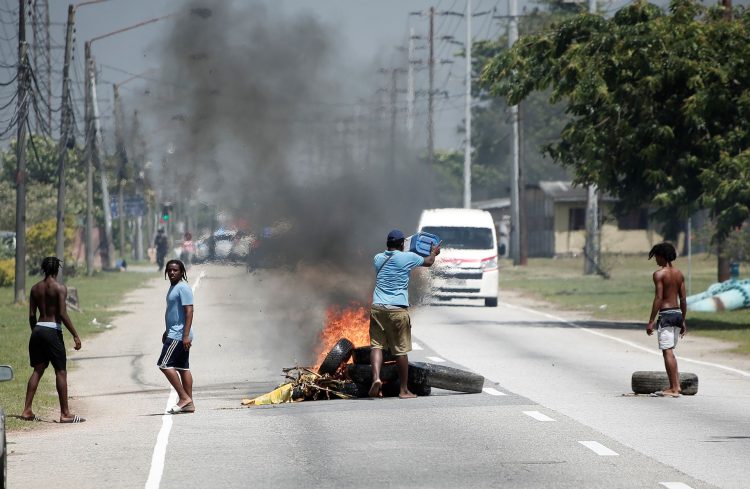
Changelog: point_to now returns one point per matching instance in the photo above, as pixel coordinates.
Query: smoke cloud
(275, 125)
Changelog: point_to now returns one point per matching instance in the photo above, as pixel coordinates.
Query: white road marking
(493, 392)
(598, 448)
(538, 416)
(162, 439)
(675, 485)
(631, 344)
(416, 346)
(435, 359)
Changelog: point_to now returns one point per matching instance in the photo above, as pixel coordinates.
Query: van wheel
(490, 302)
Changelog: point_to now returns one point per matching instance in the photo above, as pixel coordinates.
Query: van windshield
(462, 238)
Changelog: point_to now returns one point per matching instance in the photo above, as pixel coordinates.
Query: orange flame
(352, 322)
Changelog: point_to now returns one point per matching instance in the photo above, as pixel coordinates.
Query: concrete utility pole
(723, 271)
(431, 92)
(89, 167)
(23, 113)
(515, 219)
(139, 184)
(591, 252)
(122, 157)
(410, 86)
(97, 153)
(64, 140)
(467, 144)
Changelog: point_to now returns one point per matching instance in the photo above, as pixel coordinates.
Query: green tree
(658, 104)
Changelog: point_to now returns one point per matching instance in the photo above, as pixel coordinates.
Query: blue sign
(134, 206)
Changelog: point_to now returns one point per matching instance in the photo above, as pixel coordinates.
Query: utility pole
(97, 144)
(122, 158)
(722, 262)
(591, 251)
(23, 113)
(64, 141)
(139, 184)
(89, 168)
(515, 219)
(410, 86)
(467, 144)
(431, 92)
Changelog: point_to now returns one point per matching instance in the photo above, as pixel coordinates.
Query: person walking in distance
(177, 339)
(161, 243)
(390, 325)
(46, 344)
(668, 312)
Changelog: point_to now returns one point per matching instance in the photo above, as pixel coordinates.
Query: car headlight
(489, 264)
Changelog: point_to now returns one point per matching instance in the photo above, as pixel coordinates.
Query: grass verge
(99, 296)
(627, 295)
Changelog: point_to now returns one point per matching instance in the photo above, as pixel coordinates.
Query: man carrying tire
(668, 312)
(390, 326)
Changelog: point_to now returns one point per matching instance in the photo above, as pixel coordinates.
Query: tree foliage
(658, 104)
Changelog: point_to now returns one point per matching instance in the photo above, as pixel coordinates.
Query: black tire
(361, 355)
(350, 389)
(392, 389)
(490, 302)
(449, 378)
(340, 353)
(362, 374)
(647, 382)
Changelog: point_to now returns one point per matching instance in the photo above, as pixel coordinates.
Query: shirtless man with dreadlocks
(46, 344)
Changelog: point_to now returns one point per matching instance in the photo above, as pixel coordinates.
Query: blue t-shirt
(178, 296)
(392, 282)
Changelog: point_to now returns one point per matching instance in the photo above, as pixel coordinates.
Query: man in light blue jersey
(177, 339)
(390, 326)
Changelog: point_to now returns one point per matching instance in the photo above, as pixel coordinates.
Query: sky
(368, 34)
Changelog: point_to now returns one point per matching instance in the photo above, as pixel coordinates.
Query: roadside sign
(134, 206)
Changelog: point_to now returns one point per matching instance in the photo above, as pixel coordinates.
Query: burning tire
(449, 378)
(340, 353)
(361, 355)
(647, 382)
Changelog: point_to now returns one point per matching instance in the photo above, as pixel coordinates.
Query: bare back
(48, 297)
(670, 286)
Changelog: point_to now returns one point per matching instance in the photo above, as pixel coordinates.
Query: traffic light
(166, 210)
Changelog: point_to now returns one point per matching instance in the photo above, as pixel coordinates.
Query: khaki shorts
(391, 329)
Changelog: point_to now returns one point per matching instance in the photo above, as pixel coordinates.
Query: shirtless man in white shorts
(668, 311)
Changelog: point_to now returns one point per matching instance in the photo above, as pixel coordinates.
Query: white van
(467, 264)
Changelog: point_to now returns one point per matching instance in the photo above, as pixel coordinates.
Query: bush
(40, 243)
(7, 272)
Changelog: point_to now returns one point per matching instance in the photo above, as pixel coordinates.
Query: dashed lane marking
(493, 392)
(598, 448)
(436, 359)
(538, 416)
(675, 485)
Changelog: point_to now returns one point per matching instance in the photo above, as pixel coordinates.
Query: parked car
(6, 373)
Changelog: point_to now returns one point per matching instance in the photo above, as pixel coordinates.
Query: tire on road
(340, 353)
(392, 389)
(490, 302)
(362, 374)
(449, 378)
(361, 355)
(647, 382)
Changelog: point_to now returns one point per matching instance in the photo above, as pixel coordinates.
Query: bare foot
(407, 395)
(375, 388)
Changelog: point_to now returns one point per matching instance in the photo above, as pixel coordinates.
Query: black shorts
(174, 355)
(46, 346)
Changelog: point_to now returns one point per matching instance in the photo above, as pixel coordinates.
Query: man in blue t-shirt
(390, 325)
(177, 339)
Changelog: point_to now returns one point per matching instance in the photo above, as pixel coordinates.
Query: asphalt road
(553, 414)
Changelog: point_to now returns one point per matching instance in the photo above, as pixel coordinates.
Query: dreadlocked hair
(50, 266)
(664, 250)
(182, 269)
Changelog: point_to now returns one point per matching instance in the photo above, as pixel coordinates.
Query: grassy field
(627, 295)
(99, 296)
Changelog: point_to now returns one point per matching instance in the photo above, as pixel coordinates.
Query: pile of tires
(648, 382)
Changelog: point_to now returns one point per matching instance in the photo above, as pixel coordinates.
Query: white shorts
(668, 337)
